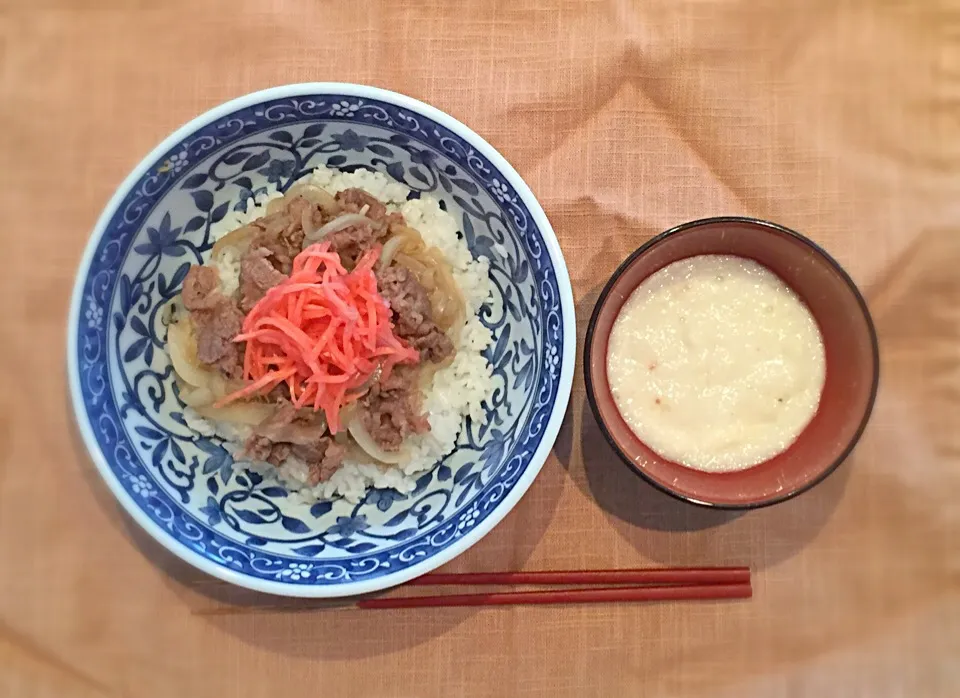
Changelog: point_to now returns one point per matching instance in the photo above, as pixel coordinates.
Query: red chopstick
(677, 584)
(678, 575)
(703, 592)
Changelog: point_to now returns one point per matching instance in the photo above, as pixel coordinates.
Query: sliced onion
(299, 433)
(276, 205)
(315, 195)
(239, 238)
(364, 388)
(249, 413)
(306, 221)
(182, 347)
(433, 272)
(456, 327)
(195, 397)
(221, 386)
(428, 370)
(411, 236)
(336, 225)
(414, 265)
(390, 248)
(427, 280)
(369, 446)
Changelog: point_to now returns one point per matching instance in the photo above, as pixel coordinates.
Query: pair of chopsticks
(678, 584)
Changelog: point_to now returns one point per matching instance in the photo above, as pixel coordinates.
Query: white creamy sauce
(715, 363)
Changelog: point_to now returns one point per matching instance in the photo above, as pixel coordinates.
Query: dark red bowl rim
(601, 300)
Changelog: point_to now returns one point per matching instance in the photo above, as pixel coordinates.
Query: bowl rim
(550, 432)
(769, 227)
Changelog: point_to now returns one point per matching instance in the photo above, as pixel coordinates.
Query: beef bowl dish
(321, 340)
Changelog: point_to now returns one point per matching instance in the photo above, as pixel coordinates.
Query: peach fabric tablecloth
(841, 119)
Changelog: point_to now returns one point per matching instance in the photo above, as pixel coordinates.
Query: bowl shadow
(625, 495)
(649, 519)
(331, 628)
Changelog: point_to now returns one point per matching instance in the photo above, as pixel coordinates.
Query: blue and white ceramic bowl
(184, 492)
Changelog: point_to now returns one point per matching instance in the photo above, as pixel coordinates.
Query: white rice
(455, 392)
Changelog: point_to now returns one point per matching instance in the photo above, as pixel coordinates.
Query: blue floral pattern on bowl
(242, 526)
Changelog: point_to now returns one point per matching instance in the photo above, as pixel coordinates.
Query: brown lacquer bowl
(851, 353)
